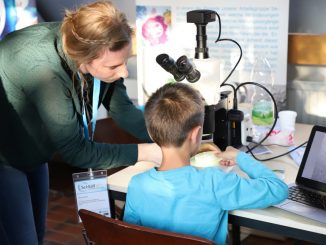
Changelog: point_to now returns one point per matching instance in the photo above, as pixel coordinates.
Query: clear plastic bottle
(261, 102)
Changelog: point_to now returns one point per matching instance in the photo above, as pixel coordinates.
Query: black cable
(272, 144)
(235, 100)
(271, 158)
(230, 40)
(231, 85)
(275, 109)
(240, 57)
(219, 26)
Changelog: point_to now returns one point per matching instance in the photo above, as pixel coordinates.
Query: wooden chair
(101, 230)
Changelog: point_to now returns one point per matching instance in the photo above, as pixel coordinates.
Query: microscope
(203, 73)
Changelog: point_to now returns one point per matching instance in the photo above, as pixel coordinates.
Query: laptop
(307, 197)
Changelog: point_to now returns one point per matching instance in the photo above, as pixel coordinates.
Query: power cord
(271, 158)
(230, 40)
(230, 85)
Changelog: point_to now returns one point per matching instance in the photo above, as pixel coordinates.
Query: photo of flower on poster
(153, 24)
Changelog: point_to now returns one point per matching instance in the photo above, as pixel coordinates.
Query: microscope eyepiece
(181, 69)
(186, 67)
(168, 64)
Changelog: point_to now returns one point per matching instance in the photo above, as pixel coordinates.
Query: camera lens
(186, 67)
(168, 64)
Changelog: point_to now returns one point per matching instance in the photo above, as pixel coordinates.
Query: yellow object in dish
(208, 159)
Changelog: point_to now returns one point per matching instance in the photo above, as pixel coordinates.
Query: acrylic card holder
(91, 192)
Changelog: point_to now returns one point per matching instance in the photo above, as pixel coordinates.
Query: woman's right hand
(150, 152)
(229, 156)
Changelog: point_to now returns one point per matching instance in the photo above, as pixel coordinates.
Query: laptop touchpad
(298, 208)
(306, 211)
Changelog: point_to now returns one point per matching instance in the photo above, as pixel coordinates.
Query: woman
(49, 76)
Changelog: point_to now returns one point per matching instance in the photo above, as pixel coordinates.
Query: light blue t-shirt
(196, 202)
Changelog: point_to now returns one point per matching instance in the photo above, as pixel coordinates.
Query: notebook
(307, 197)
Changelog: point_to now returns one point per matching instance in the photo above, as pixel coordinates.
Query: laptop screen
(312, 172)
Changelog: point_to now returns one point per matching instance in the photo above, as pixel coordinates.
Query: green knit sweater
(40, 110)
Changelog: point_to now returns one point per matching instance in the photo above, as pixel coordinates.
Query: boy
(180, 198)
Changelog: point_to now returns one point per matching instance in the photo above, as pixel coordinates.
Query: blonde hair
(92, 28)
(172, 112)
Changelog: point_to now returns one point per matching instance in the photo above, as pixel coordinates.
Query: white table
(270, 219)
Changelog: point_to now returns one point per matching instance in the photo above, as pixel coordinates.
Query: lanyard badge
(96, 94)
(91, 187)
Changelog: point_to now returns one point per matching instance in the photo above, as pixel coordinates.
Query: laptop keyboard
(307, 197)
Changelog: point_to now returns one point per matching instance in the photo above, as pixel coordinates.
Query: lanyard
(96, 93)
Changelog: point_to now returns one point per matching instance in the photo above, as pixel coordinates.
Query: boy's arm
(262, 189)
(130, 214)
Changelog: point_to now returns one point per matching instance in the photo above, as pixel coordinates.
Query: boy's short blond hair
(171, 112)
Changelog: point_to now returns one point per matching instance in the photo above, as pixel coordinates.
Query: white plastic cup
(287, 120)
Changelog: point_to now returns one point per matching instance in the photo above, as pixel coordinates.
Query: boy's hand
(229, 156)
(208, 147)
